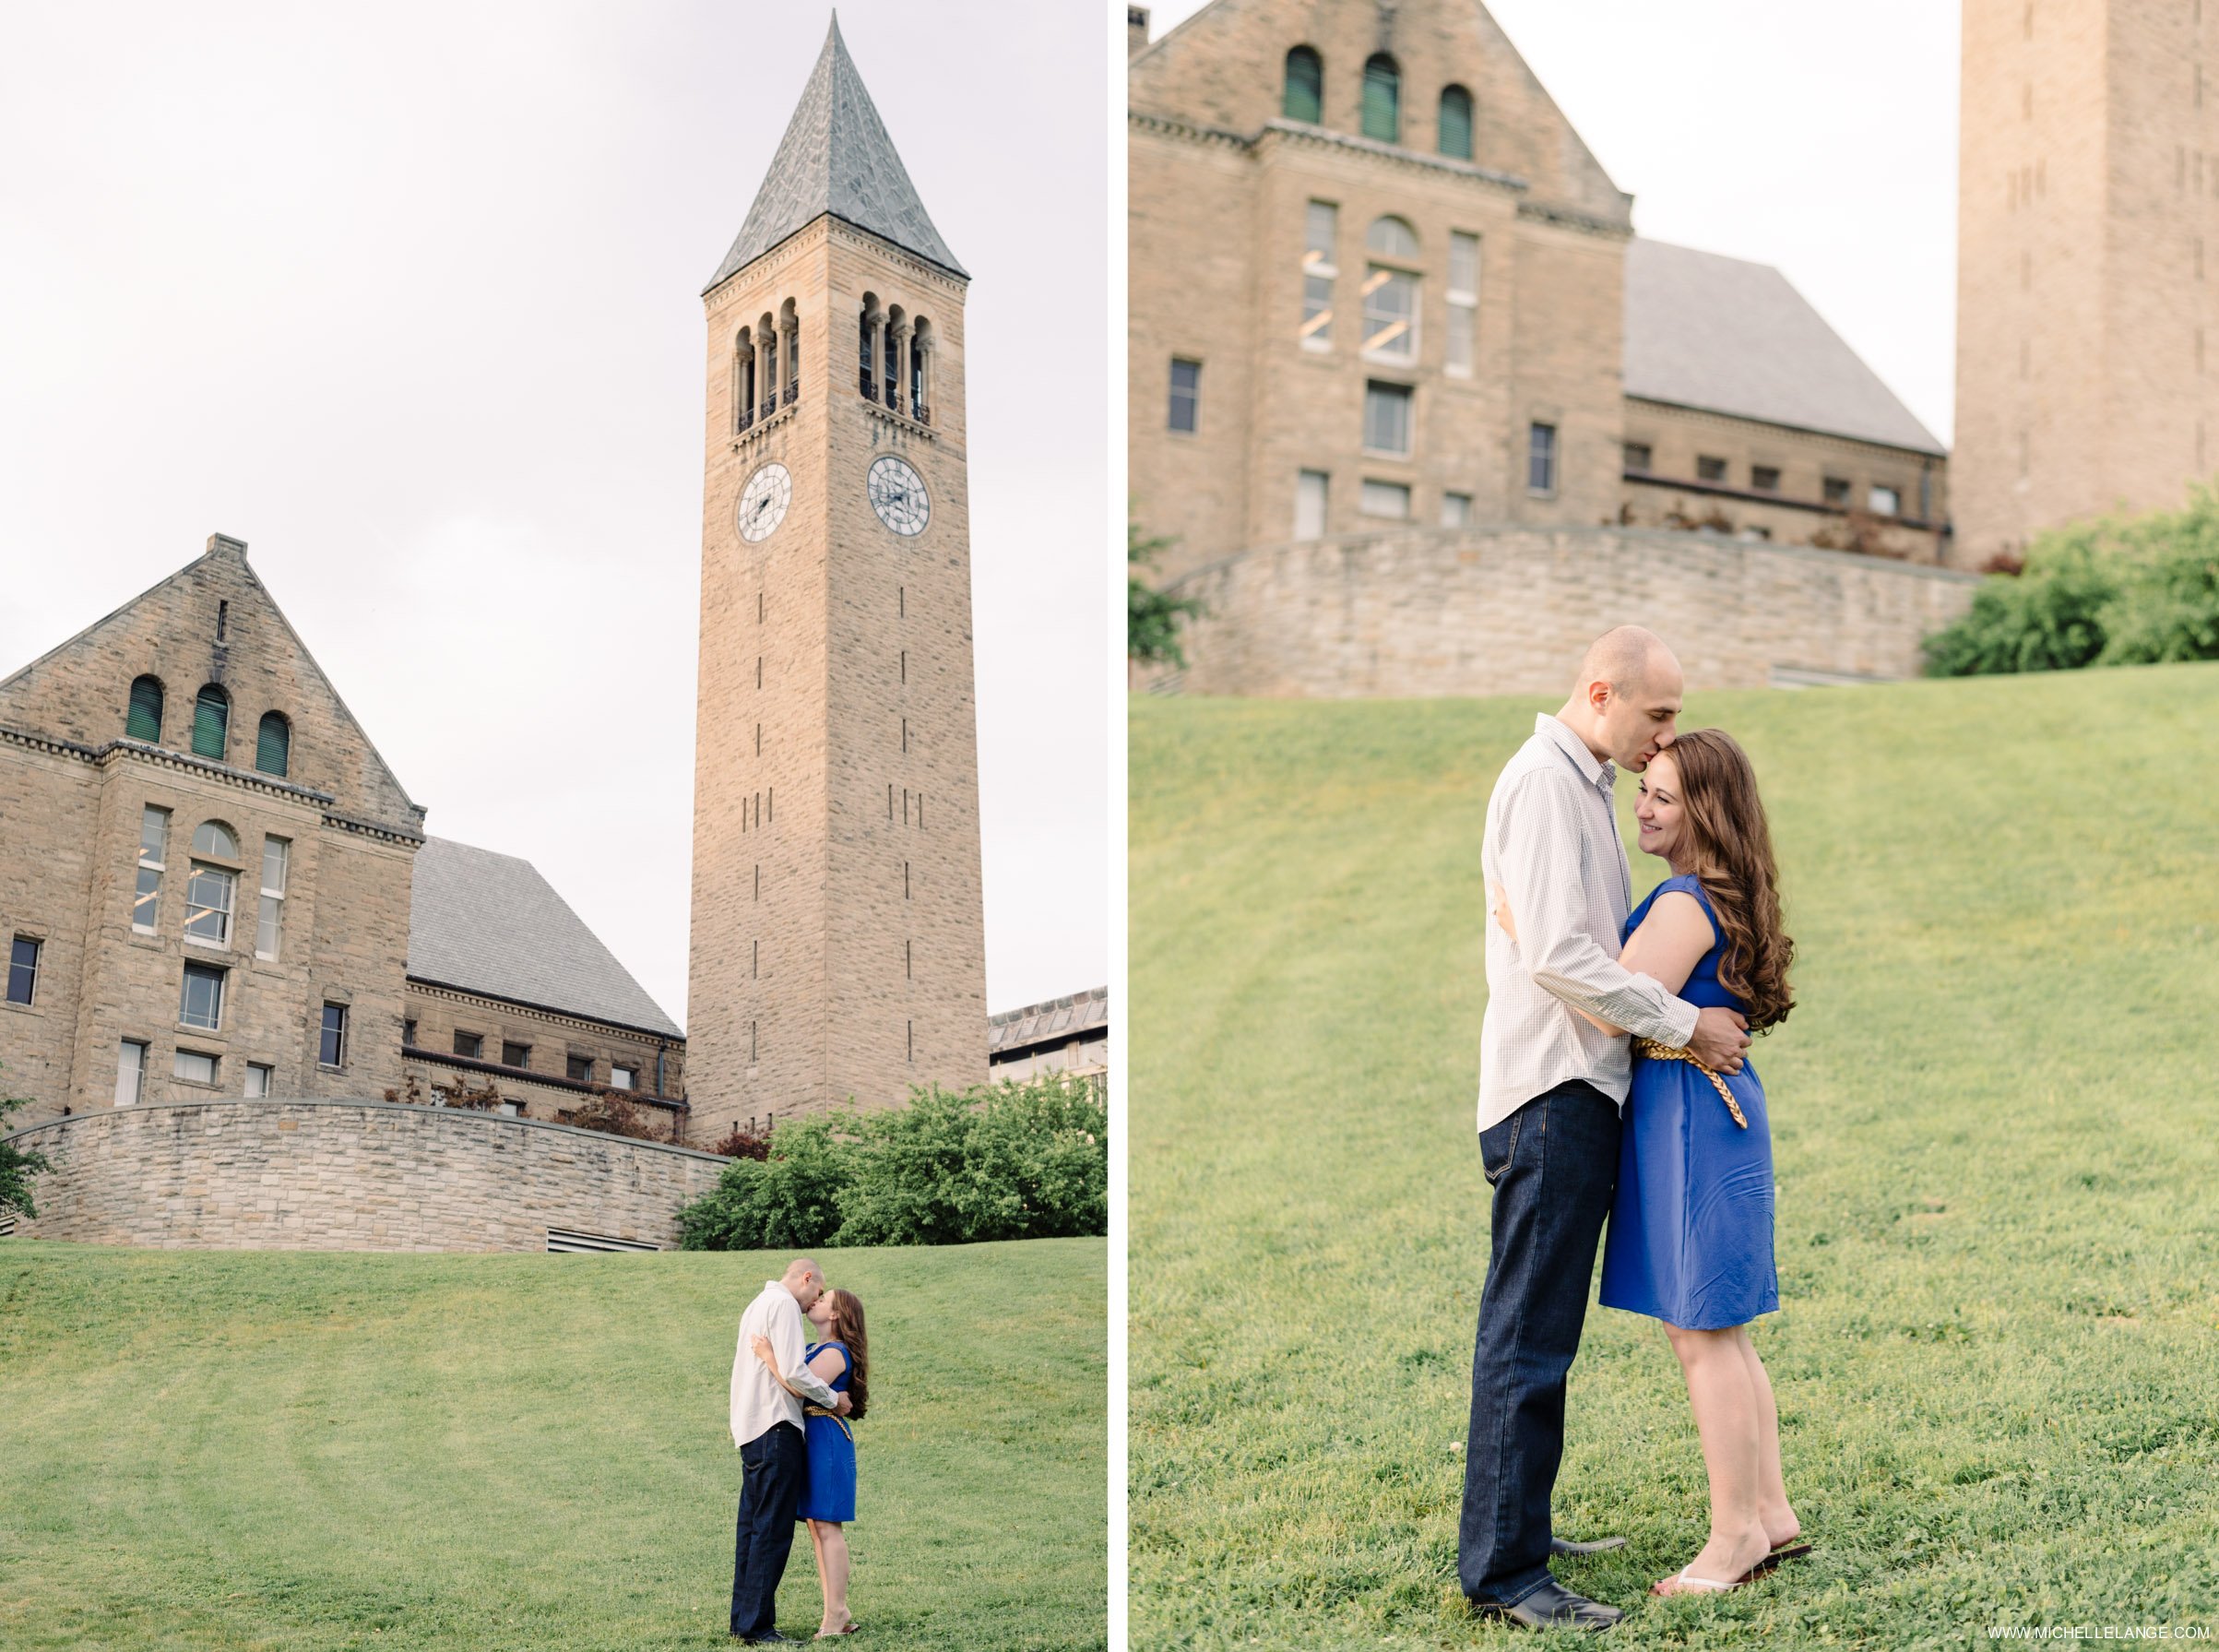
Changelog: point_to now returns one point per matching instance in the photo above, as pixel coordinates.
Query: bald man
(1552, 1087)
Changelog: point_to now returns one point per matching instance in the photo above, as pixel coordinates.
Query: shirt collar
(1602, 774)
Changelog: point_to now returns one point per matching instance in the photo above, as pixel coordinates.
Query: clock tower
(838, 941)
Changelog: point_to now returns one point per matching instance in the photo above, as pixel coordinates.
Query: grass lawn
(1995, 1123)
(301, 1452)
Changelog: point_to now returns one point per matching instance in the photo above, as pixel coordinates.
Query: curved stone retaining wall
(349, 1176)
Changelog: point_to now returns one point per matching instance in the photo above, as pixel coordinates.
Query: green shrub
(2048, 619)
(16, 1167)
(787, 1201)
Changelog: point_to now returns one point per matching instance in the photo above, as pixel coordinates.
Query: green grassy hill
(1996, 1134)
(298, 1452)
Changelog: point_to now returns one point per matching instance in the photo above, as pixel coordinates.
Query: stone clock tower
(837, 944)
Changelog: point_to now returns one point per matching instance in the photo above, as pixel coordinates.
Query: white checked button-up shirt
(758, 1403)
(1552, 844)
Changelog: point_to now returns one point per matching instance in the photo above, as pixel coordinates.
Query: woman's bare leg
(1772, 1508)
(832, 1567)
(816, 1541)
(1724, 1402)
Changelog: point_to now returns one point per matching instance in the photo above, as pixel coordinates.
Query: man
(774, 1457)
(1551, 1088)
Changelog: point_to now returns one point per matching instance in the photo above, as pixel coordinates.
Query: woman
(1691, 1235)
(843, 1361)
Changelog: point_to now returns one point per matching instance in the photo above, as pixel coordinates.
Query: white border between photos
(1113, 655)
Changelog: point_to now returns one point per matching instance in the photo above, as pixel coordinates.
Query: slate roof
(1056, 1019)
(1703, 330)
(835, 158)
(490, 923)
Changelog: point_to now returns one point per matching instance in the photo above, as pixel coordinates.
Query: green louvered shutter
(1383, 99)
(273, 744)
(211, 721)
(145, 722)
(1305, 98)
(1456, 123)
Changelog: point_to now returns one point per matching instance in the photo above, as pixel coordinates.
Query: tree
(1151, 616)
(18, 1166)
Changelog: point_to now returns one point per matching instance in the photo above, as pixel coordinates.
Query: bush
(16, 1168)
(2048, 619)
(1002, 1161)
(740, 1142)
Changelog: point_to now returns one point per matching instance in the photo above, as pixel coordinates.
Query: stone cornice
(450, 993)
(1302, 133)
(1693, 414)
(554, 1081)
(1566, 217)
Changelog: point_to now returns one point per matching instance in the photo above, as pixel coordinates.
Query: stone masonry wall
(1508, 611)
(349, 1176)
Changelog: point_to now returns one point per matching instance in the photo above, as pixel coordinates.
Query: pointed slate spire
(835, 158)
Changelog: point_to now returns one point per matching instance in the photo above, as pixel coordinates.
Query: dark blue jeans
(1553, 1165)
(774, 1467)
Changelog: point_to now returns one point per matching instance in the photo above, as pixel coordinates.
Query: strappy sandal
(1705, 1585)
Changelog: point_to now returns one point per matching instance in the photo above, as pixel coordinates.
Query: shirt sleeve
(1539, 850)
(791, 1349)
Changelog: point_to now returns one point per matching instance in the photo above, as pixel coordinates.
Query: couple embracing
(1614, 1083)
(792, 1402)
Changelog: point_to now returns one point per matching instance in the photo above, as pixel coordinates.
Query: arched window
(897, 332)
(866, 348)
(1391, 293)
(143, 723)
(273, 744)
(1392, 236)
(213, 837)
(1305, 97)
(766, 364)
(211, 722)
(211, 892)
(1456, 123)
(789, 325)
(744, 380)
(920, 344)
(1383, 99)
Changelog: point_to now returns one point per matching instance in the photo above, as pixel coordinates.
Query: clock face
(898, 493)
(763, 502)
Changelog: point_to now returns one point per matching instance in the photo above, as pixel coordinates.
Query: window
(130, 1071)
(195, 1067)
(144, 721)
(213, 837)
(1383, 99)
(1837, 490)
(1186, 394)
(153, 833)
(22, 970)
(273, 744)
(1765, 478)
(580, 1067)
(624, 1078)
(408, 1032)
(258, 1076)
(1304, 99)
(1637, 456)
(331, 1051)
(209, 891)
(211, 722)
(202, 1003)
(1320, 266)
(270, 916)
(1385, 499)
(1387, 418)
(1541, 459)
(470, 1044)
(516, 1055)
(1392, 238)
(1709, 470)
(1463, 301)
(1310, 504)
(1390, 313)
(1455, 510)
(1884, 502)
(1456, 123)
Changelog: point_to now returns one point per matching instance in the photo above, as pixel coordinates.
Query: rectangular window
(1186, 394)
(516, 1055)
(580, 1067)
(258, 1076)
(1318, 270)
(1387, 418)
(202, 1003)
(1638, 456)
(1837, 490)
(22, 970)
(130, 1071)
(153, 833)
(1884, 502)
(1455, 510)
(331, 1051)
(1391, 314)
(194, 1068)
(624, 1078)
(1385, 499)
(209, 891)
(407, 1031)
(1463, 301)
(470, 1043)
(270, 916)
(1541, 459)
(1310, 504)
(1709, 469)
(1765, 478)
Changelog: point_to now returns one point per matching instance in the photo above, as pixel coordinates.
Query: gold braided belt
(1656, 1052)
(838, 1421)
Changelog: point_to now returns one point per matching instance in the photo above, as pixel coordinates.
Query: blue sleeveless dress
(1691, 1222)
(830, 1492)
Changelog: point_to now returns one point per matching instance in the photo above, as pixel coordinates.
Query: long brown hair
(1732, 845)
(848, 1330)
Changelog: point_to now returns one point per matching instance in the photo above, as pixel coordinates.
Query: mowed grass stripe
(1994, 1129)
(325, 1451)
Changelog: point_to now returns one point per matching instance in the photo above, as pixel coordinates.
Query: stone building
(214, 885)
(839, 936)
(1378, 285)
(1063, 1035)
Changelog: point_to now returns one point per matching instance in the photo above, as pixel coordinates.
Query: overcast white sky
(408, 299)
(1819, 137)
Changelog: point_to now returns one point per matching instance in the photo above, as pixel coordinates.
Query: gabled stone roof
(1052, 1021)
(490, 923)
(1703, 330)
(835, 158)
